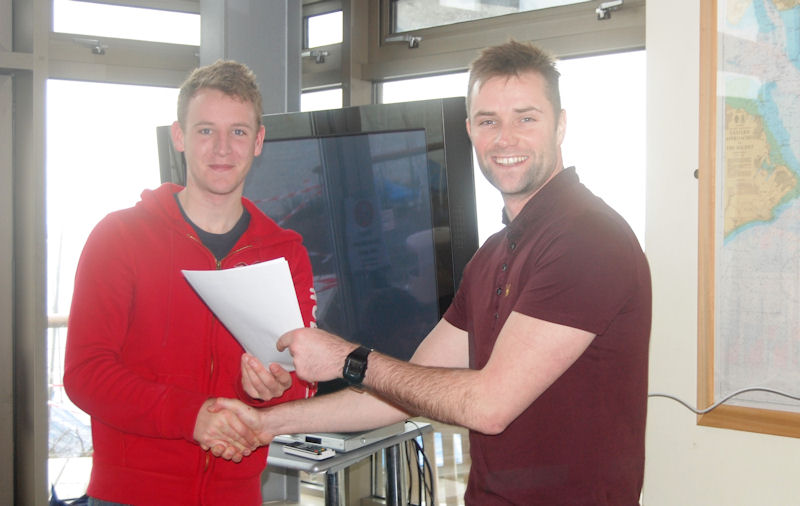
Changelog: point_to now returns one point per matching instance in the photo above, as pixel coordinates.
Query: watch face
(355, 366)
(350, 368)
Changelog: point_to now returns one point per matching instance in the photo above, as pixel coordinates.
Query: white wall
(688, 464)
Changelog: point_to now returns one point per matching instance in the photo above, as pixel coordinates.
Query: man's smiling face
(516, 135)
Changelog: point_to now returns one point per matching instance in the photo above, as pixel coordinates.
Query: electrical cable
(421, 479)
(409, 491)
(724, 399)
(424, 469)
(427, 477)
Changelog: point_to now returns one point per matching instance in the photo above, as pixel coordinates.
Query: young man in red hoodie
(145, 357)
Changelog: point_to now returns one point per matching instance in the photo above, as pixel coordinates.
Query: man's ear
(259, 140)
(177, 136)
(561, 127)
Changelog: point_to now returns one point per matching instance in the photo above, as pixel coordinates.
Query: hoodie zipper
(218, 266)
(234, 252)
(218, 263)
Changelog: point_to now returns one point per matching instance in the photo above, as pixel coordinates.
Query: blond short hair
(230, 77)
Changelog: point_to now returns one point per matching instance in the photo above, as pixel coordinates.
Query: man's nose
(223, 144)
(506, 136)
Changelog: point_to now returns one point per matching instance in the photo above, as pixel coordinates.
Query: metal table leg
(394, 492)
(334, 493)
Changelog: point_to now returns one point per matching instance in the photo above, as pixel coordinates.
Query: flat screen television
(384, 198)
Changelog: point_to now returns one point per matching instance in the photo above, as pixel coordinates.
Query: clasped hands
(231, 429)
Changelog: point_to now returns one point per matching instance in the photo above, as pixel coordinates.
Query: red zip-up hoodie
(144, 352)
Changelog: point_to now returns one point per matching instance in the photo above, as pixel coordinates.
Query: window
(101, 153)
(320, 100)
(87, 18)
(424, 88)
(324, 29)
(606, 122)
(417, 14)
(605, 137)
(571, 29)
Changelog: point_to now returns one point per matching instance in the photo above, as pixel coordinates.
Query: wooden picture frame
(767, 421)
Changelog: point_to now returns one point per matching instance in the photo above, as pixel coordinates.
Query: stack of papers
(257, 303)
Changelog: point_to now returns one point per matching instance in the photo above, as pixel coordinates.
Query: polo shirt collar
(545, 199)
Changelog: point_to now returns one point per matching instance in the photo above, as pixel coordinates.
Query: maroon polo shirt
(567, 258)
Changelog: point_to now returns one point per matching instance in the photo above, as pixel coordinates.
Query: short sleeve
(585, 275)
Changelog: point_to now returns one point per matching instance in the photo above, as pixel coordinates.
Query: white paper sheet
(257, 303)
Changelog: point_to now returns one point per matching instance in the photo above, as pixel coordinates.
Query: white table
(334, 466)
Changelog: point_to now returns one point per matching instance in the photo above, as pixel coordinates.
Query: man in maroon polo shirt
(543, 353)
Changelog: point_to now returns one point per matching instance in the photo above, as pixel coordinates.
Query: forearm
(436, 383)
(344, 411)
(451, 395)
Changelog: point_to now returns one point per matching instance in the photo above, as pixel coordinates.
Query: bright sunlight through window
(101, 153)
(605, 137)
(325, 29)
(89, 18)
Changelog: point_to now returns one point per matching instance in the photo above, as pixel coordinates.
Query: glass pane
(606, 130)
(325, 29)
(417, 14)
(92, 169)
(605, 137)
(321, 100)
(424, 88)
(71, 16)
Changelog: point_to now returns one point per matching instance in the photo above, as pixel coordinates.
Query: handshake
(231, 429)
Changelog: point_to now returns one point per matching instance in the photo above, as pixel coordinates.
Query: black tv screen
(362, 204)
(384, 198)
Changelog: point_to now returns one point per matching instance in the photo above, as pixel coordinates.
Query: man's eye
(239, 132)
(487, 122)
(205, 131)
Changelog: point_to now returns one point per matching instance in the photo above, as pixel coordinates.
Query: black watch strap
(355, 366)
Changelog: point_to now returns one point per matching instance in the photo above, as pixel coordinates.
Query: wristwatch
(355, 366)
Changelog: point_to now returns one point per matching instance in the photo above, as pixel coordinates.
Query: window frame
(328, 72)
(190, 6)
(311, 9)
(566, 31)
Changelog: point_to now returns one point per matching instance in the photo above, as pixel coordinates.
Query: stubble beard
(530, 181)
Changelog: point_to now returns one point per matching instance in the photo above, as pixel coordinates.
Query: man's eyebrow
(517, 110)
(204, 123)
(528, 109)
(485, 113)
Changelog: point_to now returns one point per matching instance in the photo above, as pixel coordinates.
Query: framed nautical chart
(749, 175)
